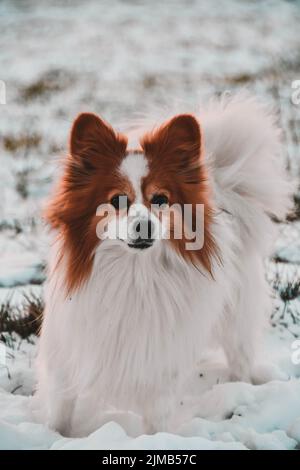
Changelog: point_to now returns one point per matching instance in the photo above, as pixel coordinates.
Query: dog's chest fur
(137, 323)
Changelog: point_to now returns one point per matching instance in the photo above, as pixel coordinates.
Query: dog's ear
(178, 140)
(183, 131)
(92, 138)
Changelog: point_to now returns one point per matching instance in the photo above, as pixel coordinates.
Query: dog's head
(136, 198)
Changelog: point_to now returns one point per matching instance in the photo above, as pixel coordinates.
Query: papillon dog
(131, 305)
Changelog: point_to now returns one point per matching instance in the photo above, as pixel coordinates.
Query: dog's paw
(266, 372)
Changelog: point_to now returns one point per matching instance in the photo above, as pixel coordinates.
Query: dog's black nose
(144, 229)
(143, 233)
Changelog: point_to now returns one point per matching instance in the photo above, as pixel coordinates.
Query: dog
(130, 311)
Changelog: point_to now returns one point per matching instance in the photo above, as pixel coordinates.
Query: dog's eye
(159, 199)
(120, 202)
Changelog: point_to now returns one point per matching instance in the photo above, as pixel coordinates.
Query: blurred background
(120, 58)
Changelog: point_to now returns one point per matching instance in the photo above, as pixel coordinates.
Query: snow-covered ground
(121, 59)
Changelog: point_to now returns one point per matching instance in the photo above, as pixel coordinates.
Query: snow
(19, 271)
(288, 246)
(120, 59)
(231, 415)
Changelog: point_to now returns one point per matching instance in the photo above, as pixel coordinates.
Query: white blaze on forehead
(135, 168)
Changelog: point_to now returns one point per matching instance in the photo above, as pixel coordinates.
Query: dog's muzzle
(142, 234)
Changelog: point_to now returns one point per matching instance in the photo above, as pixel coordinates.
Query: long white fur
(127, 338)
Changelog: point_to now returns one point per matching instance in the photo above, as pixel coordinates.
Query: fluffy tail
(244, 152)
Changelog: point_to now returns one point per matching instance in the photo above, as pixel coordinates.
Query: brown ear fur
(176, 162)
(89, 173)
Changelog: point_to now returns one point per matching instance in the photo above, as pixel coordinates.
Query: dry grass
(13, 143)
(50, 82)
(25, 320)
(286, 315)
(295, 215)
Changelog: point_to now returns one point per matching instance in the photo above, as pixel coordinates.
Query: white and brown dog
(127, 316)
